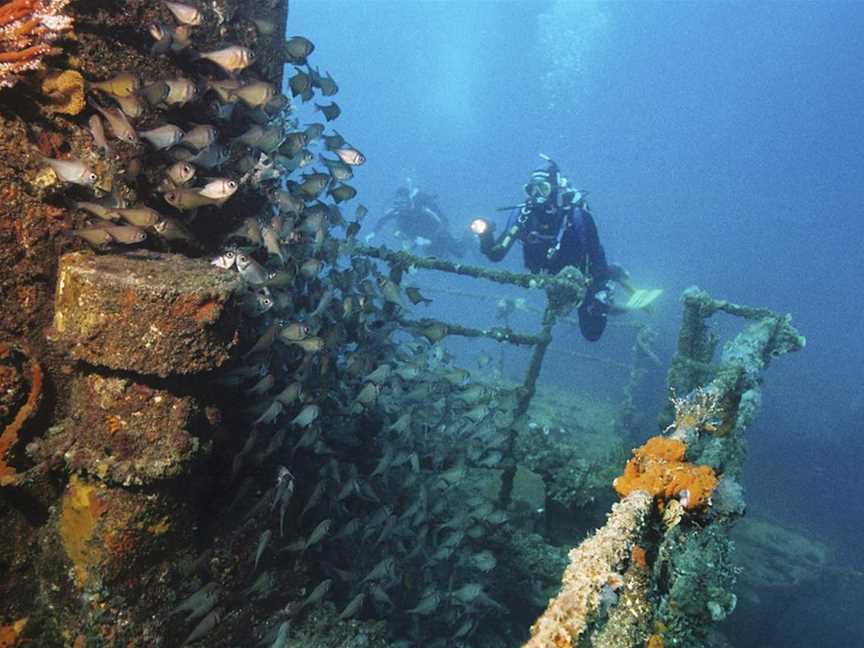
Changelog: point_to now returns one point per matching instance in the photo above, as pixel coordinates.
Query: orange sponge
(658, 467)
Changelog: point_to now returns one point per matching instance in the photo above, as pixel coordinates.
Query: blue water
(722, 145)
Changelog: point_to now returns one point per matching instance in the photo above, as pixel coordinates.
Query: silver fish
(427, 605)
(307, 415)
(354, 606)
(139, 216)
(263, 541)
(255, 94)
(163, 137)
(205, 626)
(95, 126)
(131, 106)
(181, 173)
(271, 413)
(200, 136)
(185, 14)
(74, 171)
(225, 260)
(200, 602)
(318, 593)
(210, 157)
(219, 189)
(251, 270)
(180, 91)
(232, 58)
(117, 121)
(319, 532)
(98, 210)
(126, 234)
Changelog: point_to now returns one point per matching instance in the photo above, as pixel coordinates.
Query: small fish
(74, 171)
(292, 392)
(251, 270)
(180, 91)
(200, 136)
(262, 386)
(211, 157)
(155, 93)
(163, 137)
(314, 131)
(319, 532)
(427, 605)
(311, 345)
(297, 48)
(294, 332)
(307, 415)
(255, 94)
(181, 173)
(139, 216)
(126, 234)
(231, 59)
(334, 141)
(327, 83)
(263, 541)
(271, 413)
(98, 209)
(354, 606)
(271, 242)
(281, 640)
(350, 156)
(162, 35)
(185, 14)
(123, 85)
(367, 395)
(318, 593)
(390, 291)
(220, 110)
(173, 230)
(330, 111)
(220, 189)
(117, 121)
(205, 626)
(225, 260)
(264, 27)
(311, 268)
(384, 570)
(300, 83)
(131, 106)
(414, 295)
(342, 192)
(95, 236)
(467, 593)
(484, 561)
(95, 126)
(185, 199)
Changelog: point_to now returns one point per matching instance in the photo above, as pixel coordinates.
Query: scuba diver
(556, 229)
(420, 224)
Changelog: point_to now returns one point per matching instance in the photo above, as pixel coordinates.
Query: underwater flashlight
(479, 226)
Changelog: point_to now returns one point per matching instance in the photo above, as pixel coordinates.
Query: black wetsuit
(554, 237)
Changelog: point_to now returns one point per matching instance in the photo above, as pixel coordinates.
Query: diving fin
(643, 299)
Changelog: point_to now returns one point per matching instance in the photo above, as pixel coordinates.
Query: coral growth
(27, 29)
(658, 467)
(700, 410)
(568, 614)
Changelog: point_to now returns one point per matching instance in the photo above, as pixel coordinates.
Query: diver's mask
(538, 190)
